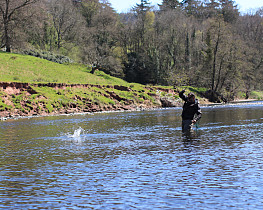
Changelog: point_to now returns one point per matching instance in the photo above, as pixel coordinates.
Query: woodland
(200, 43)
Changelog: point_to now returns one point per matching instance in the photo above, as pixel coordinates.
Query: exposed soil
(162, 97)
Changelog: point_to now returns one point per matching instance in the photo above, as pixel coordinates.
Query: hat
(190, 95)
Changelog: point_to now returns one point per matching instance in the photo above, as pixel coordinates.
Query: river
(134, 160)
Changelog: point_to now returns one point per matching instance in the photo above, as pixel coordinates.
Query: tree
(170, 4)
(140, 25)
(89, 10)
(170, 49)
(211, 8)
(8, 10)
(223, 58)
(35, 27)
(229, 10)
(65, 18)
(191, 6)
(100, 44)
(141, 11)
(250, 29)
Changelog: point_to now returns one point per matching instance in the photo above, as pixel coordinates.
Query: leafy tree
(141, 11)
(171, 30)
(89, 10)
(141, 26)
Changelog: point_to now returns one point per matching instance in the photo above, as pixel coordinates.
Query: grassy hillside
(29, 69)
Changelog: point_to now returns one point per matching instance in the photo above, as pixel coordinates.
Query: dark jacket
(190, 109)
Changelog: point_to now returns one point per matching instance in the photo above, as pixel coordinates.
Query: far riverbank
(25, 99)
(51, 99)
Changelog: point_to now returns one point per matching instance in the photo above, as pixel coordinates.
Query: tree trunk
(6, 37)
(214, 61)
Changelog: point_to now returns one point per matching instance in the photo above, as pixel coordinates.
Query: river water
(134, 160)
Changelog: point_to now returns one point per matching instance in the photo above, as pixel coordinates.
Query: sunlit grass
(29, 69)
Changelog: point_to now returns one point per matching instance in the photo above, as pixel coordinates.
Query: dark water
(134, 160)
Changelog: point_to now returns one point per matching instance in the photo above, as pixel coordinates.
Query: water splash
(76, 136)
(77, 133)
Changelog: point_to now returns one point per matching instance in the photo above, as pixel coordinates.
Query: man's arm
(182, 95)
(198, 114)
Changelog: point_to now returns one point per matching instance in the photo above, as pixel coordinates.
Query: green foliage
(199, 92)
(17, 99)
(256, 95)
(5, 107)
(49, 107)
(241, 95)
(137, 87)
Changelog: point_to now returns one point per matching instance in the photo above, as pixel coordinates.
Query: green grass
(29, 69)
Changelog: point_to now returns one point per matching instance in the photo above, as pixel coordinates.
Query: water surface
(134, 160)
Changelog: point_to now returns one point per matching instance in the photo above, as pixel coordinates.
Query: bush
(256, 95)
(48, 56)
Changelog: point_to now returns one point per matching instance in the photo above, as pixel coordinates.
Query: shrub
(48, 56)
(256, 95)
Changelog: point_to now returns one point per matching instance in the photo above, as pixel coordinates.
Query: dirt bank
(24, 99)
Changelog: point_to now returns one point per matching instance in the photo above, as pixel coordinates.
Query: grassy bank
(34, 86)
(29, 69)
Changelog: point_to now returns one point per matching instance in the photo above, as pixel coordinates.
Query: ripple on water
(134, 161)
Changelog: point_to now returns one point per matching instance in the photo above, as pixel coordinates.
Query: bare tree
(100, 44)
(8, 10)
(250, 29)
(65, 19)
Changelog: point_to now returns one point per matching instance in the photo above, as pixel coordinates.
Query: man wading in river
(191, 111)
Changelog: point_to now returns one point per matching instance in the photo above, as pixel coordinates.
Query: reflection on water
(134, 160)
